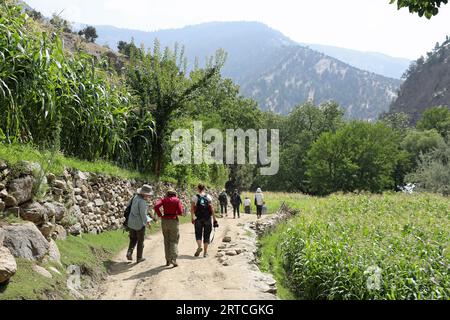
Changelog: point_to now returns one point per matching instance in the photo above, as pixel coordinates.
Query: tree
(163, 90)
(433, 171)
(421, 142)
(360, 156)
(89, 33)
(437, 118)
(60, 23)
(427, 8)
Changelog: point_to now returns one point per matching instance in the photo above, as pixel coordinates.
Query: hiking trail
(229, 273)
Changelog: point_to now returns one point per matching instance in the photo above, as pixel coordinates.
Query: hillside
(302, 74)
(426, 85)
(256, 51)
(375, 62)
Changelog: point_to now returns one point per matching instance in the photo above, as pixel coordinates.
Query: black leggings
(203, 230)
(223, 208)
(259, 210)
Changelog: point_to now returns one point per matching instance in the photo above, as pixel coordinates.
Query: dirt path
(227, 274)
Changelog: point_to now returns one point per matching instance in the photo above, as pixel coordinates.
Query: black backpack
(202, 208)
(127, 212)
(223, 197)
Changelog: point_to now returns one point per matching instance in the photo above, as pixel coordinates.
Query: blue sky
(367, 25)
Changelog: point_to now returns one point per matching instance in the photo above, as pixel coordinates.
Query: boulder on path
(226, 239)
(22, 189)
(8, 265)
(25, 241)
(42, 271)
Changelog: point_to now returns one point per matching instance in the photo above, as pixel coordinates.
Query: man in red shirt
(172, 209)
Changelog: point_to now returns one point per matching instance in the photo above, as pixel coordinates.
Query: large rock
(53, 253)
(42, 271)
(8, 266)
(34, 212)
(2, 236)
(2, 206)
(9, 201)
(60, 211)
(22, 189)
(47, 229)
(25, 241)
(59, 184)
(76, 229)
(59, 233)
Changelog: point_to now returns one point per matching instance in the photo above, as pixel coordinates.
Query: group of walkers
(169, 209)
(236, 202)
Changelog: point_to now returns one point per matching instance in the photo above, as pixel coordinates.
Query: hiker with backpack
(236, 202)
(259, 202)
(136, 219)
(172, 209)
(223, 199)
(202, 214)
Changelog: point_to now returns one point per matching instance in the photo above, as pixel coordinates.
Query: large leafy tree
(360, 156)
(437, 118)
(164, 90)
(427, 8)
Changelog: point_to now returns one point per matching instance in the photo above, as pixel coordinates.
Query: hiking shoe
(205, 255)
(140, 260)
(197, 253)
(167, 263)
(175, 264)
(130, 256)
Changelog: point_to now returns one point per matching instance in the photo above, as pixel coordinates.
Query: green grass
(18, 152)
(327, 251)
(26, 284)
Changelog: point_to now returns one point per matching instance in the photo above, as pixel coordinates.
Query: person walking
(247, 205)
(202, 214)
(259, 202)
(137, 221)
(236, 202)
(223, 199)
(172, 209)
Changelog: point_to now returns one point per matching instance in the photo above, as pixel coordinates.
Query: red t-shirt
(172, 208)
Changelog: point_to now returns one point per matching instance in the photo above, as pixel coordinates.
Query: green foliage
(89, 33)
(437, 118)
(433, 171)
(360, 156)
(333, 247)
(427, 8)
(420, 142)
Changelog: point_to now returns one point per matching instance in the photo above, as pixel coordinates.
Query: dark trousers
(259, 211)
(223, 208)
(137, 238)
(236, 210)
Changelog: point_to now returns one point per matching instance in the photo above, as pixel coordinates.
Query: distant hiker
(259, 203)
(247, 205)
(223, 199)
(236, 202)
(137, 221)
(202, 212)
(172, 209)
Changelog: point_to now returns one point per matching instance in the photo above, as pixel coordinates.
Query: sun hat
(259, 190)
(171, 191)
(146, 190)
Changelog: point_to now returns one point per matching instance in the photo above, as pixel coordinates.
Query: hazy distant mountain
(371, 61)
(427, 84)
(257, 52)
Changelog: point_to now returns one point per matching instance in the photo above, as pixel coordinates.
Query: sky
(366, 25)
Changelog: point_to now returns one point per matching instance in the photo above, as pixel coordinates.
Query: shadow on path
(149, 273)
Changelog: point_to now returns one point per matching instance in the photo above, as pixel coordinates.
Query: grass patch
(27, 284)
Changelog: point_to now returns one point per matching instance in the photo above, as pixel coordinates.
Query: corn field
(353, 247)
